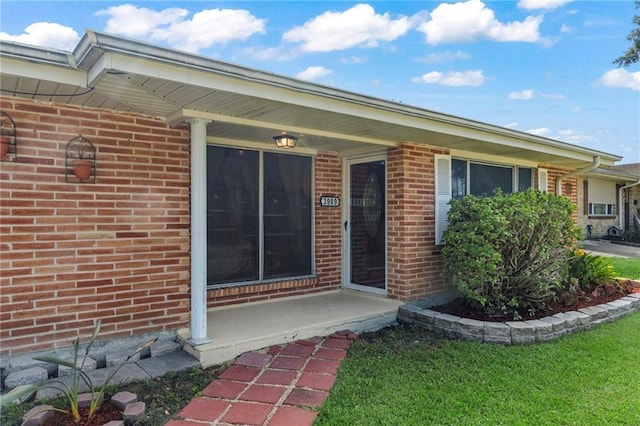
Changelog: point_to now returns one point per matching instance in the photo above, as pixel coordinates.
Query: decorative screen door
(365, 225)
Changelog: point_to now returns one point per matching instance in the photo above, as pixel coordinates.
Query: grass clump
(405, 376)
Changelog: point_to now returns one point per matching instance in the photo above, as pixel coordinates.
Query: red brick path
(278, 386)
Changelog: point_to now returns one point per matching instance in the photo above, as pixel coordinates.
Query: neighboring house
(605, 196)
(630, 197)
(190, 205)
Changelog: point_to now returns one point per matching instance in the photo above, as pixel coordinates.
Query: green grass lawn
(626, 267)
(405, 376)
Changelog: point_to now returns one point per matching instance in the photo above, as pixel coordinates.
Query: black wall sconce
(8, 138)
(80, 161)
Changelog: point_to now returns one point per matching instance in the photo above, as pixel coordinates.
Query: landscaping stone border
(518, 332)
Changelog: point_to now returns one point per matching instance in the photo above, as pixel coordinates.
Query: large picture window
(481, 179)
(455, 178)
(259, 215)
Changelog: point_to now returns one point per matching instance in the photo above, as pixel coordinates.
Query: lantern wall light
(285, 141)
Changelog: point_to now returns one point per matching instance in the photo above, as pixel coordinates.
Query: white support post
(198, 233)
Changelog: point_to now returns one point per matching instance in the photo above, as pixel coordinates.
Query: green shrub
(508, 253)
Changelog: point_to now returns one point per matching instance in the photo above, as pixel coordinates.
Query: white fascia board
(189, 113)
(43, 72)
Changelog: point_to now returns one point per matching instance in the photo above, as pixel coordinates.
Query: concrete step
(252, 326)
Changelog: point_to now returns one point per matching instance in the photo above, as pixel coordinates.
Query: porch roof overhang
(252, 106)
(618, 176)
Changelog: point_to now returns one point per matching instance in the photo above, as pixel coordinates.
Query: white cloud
(620, 78)
(472, 20)
(205, 29)
(447, 56)
(512, 125)
(313, 73)
(358, 26)
(523, 95)
(46, 34)
(133, 21)
(542, 4)
(540, 131)
(465, 78)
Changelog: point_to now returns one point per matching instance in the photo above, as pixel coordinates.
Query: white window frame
(514, 171)
(610, 209)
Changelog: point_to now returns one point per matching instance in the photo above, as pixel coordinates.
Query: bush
(508, 253)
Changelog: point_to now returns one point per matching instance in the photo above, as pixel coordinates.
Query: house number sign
(329, 201)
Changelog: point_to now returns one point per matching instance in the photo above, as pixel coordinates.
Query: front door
(365, 225)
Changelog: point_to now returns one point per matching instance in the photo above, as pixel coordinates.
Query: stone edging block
(518, 332)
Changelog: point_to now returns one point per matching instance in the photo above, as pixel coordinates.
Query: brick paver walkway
(278, 386)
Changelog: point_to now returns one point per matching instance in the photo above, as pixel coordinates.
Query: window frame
(261, 216)
(610, 210)
(515, 173)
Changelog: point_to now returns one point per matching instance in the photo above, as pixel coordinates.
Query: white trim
(199, 233)
(543, 180)
(346, 216)
(442, 191)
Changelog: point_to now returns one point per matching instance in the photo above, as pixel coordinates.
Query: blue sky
(539, 66)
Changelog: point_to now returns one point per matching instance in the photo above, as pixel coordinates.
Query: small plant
(589, 269)
(81, 155)
(72, 392)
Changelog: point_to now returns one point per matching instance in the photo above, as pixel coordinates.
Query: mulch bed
(458, 308)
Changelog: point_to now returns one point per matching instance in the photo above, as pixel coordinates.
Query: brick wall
(328, 246)
(569, 186)
(71, 253)
(415, 264)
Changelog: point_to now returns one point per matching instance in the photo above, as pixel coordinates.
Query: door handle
(346, 223)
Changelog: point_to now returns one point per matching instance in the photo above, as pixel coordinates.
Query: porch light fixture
(285, 141)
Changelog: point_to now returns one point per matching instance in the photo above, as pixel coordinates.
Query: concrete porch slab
(237, 329)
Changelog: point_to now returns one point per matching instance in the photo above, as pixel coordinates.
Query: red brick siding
(328, 178)
(72, 253)
(569, 186)
(414, 262)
